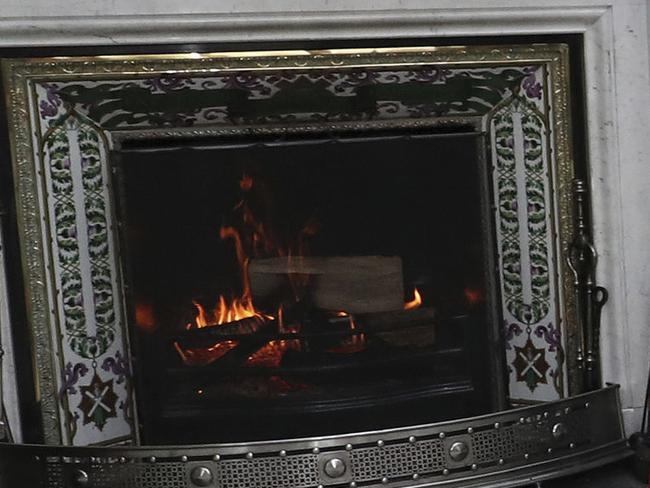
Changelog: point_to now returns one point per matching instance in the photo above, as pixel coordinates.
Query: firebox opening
(307, 285)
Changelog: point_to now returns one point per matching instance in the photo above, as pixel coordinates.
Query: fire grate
(541, 441)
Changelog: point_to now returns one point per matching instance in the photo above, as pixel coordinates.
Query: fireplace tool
(591, 298)
(640, 442)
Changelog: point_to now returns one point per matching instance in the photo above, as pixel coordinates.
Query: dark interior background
(417, 198)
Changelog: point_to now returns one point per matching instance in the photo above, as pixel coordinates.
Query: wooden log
(354, 284)
(401, 328)
(238, 329)
(396, 319)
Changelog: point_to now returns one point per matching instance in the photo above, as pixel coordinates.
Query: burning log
(398, 327)
(398, 320)
(238, 329)
(356, 284)
(401, 328)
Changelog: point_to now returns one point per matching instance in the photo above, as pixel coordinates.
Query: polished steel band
(500, 449)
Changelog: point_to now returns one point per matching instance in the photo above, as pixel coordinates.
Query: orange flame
(415, 303)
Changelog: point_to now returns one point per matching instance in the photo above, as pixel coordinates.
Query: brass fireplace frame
(27, 82)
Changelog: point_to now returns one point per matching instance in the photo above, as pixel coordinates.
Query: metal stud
(335, 468)
(526, 456)
(384, 480)
(122, 459)
(470, 430)
(80, 478)
(572, 446)
(522, 420)
(587, 404)
(545, 415)
(315, 450)
(380, 443)
(216, 457)
(497, 425)
(559, 431)
(249, 455)
(567, 410)
(441, 435)
(348, 447)
(415, 476)
(474, 467)
(445, 471)
(501, 462)
(283, 453)
(353, 484)
(412, 439)
(201, 476)
(458, 451)
(184, 459)
(320, 486)
(152, 459)
(549, 450)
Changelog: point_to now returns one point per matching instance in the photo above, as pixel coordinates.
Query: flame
(415, 303)
(233, 309)
(224, 312)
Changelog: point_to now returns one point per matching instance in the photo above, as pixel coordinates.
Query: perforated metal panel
(299, 471)
(129, 475)
(399, 460)
(507, 442)
(492, 445)
(54, 474)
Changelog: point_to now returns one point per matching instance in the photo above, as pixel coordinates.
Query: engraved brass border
(20, 74)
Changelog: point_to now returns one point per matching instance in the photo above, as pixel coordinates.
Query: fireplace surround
(515, 97)
(263, 363)
(605, 16)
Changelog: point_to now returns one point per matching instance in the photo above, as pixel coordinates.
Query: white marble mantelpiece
(617, 91)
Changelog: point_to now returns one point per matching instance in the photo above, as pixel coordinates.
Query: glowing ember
(415, 303)
(145, 317)
(270, 355)
(473, 296)
(202, 356)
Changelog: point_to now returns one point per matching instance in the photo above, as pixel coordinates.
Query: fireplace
(310, 284)
(332, 260)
